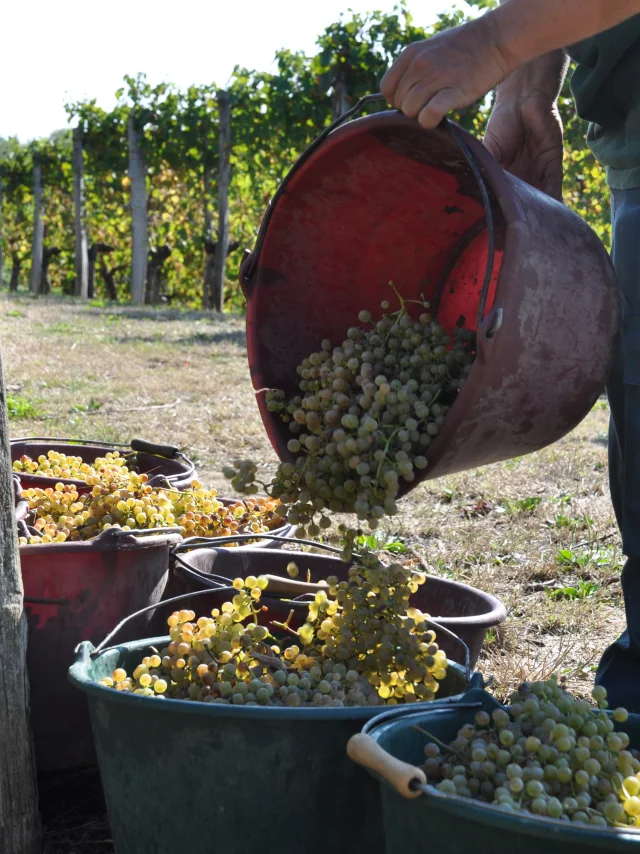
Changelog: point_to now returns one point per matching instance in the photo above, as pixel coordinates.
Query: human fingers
(416, 98)
(442, 103)
(551, 182)
(394, 75)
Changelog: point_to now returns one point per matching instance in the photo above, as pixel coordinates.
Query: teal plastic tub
(186, 776)
(436, 823)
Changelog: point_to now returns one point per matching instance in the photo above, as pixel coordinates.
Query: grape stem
(286, 626)
(387, 446)
(437, 741)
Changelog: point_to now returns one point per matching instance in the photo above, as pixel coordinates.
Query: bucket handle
(290, 585)
(433, 623)
(250, 261)
(174, 553)
(101, 646)
(408, 780)
(190, 542)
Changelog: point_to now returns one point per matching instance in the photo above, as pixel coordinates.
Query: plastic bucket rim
(75, 546)
(79, 678)
(188, 468)
(538, 826)
(261, 544)
(496, 613)
(490, 814)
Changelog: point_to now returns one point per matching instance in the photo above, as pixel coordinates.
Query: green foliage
(583, 589)
(381, 541)
(521, 505)
(275, 115)
(20, 407)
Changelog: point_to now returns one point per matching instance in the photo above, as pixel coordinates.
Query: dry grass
(528, 530)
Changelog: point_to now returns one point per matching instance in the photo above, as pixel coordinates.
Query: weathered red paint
(100, 585)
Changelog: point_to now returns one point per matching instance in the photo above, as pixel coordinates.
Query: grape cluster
(201, 514)
(60, 513)
(108, 469)
(547, 753)
(365, 416)
(367, 622)
(350, 652)
(224, 659)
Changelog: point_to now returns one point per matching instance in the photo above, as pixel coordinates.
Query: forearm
(526, 29)
(542, 78)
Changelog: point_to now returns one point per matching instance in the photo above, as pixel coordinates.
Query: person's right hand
(524, 134)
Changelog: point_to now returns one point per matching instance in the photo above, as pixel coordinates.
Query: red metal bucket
(380, 199)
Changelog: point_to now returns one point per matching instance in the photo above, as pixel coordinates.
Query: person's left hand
(449, 71)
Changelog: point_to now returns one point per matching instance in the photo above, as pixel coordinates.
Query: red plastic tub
(75, 592)
(150, 459)
(381, 199)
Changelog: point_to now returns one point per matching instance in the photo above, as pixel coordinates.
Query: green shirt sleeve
(606, 88)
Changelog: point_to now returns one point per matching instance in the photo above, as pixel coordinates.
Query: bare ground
(538, 531)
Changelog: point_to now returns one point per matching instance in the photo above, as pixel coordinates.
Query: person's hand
(449, 71)
(524, 134)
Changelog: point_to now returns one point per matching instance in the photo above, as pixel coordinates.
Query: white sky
(69, 50)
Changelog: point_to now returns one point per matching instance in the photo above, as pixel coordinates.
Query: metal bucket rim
(79, 678)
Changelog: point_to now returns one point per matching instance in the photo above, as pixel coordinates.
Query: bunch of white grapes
(547, 753)
(360, 645)
(364, 417)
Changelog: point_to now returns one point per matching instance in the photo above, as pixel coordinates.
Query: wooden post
(38, 230)
(19, 818)
(1, 255)
(140, 235)
(224, 174)
(79, 213)
(340, 98)
(209, 257)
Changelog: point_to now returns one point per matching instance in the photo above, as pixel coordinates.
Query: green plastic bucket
(180, 775)
(436, 823)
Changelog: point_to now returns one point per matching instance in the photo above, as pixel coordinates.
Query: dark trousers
(619, 669)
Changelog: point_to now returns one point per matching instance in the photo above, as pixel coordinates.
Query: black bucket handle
(251, 258)
(186, 544)
(102, 645)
